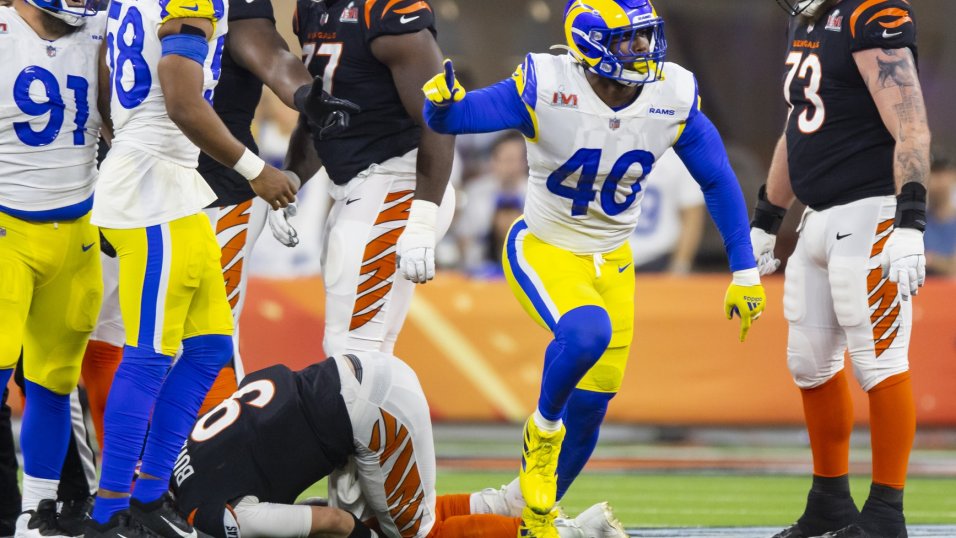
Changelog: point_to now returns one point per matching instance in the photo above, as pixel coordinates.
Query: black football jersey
(336, 36)
(838, 146)
(280, 433)
(236, 98)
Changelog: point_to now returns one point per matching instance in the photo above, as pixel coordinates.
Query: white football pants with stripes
(836, 299)
(237, 228)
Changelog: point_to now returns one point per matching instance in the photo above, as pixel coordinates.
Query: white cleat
(39, 523)
(504, 501)
(597, 521)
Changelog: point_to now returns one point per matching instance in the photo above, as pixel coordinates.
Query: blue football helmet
(602, 35)
(70, 11)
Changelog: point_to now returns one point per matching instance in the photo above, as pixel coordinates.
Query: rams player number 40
(596, 120)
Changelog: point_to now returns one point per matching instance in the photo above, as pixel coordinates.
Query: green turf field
(678, 500)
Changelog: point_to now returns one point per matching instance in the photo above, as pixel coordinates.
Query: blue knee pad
(580, 338)
(178, 404)
(45, 434)
(583, 418)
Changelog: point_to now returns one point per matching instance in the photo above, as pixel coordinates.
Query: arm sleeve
(702, 151)
(490, 109)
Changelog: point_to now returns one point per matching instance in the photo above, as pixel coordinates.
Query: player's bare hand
(745, 298)
(328, 115)
(903, 260)
(274, 187)
(415, 251)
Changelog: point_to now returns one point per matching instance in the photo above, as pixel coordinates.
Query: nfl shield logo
(51, 51)
(614, 124)
(3, 232)
(324, 19)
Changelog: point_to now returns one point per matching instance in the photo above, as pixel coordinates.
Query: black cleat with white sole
(41, 522)
(162, 518)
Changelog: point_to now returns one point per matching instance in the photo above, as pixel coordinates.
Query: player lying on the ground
(250, 457)
(597, 121)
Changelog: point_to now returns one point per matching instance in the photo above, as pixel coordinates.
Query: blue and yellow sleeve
(213, 10)
(508, 104)
(700, 147)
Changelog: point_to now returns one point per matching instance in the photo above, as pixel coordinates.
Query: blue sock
(128, 409)
(585, 413)
(105, 507)
(179, 401)
(4, 379)
(45, 434)
(580, 338)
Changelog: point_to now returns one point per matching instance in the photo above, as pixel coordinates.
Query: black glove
(327, 115)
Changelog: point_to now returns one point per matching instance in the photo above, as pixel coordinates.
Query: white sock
(505, 501)
(544, 424)
(37, 489)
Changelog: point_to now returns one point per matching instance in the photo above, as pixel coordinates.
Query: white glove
(763, 244)
(282, 229)
(416, 245)
(903, 260)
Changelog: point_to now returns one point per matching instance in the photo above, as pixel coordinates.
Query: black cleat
(881, 517)
(40, 522)
(829, 508)
(793, 531)
(857, 531)
(73, 515)
(119, 526)
(162, 518)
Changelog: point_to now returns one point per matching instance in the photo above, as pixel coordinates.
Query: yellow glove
(746, 298)
(443, 89)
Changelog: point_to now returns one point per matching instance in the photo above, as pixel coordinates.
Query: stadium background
(700, 415)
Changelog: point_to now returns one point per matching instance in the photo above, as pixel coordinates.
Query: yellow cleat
(539, 464)
(535, 525)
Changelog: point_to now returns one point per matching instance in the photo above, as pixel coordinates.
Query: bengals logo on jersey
(888, 16)
(404, 8)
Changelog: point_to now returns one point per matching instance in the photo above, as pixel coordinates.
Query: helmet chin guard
(810, 8)
(72, 15)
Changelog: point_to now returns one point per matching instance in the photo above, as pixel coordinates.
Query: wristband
(747, 277)
(249, 165)
(767, 216)
(422, 215)
(911, 207)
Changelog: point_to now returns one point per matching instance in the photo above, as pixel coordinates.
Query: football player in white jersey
(50, 283)
(164, 59)
(596, 121)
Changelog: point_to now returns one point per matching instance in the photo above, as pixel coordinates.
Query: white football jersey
(588, 162)
(131, 193)
(669, 190)
(49, 122)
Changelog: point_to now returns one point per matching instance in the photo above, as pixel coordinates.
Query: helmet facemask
(810, 9)
(632, 54)
(72, 12)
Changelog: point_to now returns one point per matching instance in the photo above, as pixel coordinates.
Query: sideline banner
(479, 355)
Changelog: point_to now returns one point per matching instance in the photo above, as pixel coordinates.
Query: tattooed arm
(891, 76)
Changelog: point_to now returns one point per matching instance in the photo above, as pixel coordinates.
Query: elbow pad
(188, 45)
